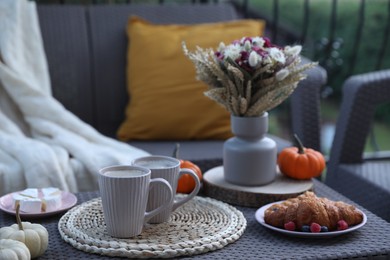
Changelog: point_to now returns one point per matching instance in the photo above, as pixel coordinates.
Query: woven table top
(199, 226)
(372, 241)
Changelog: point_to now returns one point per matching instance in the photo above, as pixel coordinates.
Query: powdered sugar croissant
(308, 208)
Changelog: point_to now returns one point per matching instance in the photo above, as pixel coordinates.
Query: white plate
(68, 200)
(259, 215)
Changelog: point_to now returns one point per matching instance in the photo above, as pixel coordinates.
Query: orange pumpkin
(301, 163)
(186, 183)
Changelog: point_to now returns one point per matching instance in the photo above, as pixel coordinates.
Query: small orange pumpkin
(186, 183)
(301, 163)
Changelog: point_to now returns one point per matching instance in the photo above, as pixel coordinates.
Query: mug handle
(152, 213)
(178, 203)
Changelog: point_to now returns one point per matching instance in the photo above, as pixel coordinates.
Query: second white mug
(167, 168)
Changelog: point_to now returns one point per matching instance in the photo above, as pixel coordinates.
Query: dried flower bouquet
(249, 76)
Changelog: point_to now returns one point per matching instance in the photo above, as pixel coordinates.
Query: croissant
(308, 208)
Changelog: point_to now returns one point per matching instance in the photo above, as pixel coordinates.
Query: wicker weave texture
(65, 37)
(369, 242)
(366, 182)
(305, 108)
(199, 226)
(362, 94)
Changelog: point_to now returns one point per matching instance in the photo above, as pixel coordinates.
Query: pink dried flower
(251, 53)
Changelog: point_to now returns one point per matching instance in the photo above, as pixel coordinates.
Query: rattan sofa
(86, 52)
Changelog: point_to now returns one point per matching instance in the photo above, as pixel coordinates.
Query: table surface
(257, 242)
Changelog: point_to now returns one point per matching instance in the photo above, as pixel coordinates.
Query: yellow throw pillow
(166, 100)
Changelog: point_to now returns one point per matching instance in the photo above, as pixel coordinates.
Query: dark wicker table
(372, 241)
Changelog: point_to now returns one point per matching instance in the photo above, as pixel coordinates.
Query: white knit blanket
(41, 143)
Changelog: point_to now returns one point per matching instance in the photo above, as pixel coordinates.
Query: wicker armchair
(365, 181)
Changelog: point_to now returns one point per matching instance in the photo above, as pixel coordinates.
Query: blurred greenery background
(333, 42)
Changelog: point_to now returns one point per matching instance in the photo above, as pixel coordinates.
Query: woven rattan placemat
(201, 225)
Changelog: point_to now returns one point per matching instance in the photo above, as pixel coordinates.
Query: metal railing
(329, 47)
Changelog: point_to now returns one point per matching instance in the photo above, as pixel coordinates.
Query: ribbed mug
(169, 169)
(125, 191)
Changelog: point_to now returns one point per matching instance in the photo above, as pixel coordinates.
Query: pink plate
(68, 201)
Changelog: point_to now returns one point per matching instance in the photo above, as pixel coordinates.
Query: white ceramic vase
(249, 158)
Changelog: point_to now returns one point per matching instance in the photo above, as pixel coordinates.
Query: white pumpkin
(13, 250)
(34, 236)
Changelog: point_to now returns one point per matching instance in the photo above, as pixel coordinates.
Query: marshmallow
(50, 203)
(31, 205)
(31, 201)
(16, 198)
(31, 192)
(50, 191)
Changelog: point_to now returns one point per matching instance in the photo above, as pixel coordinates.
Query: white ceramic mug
(125, 190)
(167, 168)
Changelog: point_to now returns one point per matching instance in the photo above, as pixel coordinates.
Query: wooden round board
(281, 188)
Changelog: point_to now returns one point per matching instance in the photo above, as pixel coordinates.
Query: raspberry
(289, 226)
(342, 225)
(315, 228)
